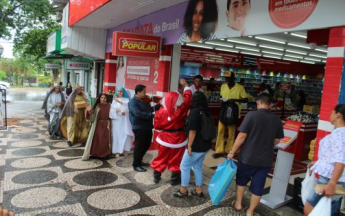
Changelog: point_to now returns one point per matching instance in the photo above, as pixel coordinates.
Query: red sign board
(142, 71)
(292, 125)
(127, 44)
(289, 14)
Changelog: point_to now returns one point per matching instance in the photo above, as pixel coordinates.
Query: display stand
(277, 196)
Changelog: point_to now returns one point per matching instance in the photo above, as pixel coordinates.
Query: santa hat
(170, 102)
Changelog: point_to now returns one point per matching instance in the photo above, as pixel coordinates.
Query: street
(40, 176)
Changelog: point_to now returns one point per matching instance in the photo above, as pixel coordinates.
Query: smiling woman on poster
(237, 14)
(121, 71)
(200, 21)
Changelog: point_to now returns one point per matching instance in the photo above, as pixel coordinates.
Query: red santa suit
(171, 121)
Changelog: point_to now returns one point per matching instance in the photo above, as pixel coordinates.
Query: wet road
(19, 94)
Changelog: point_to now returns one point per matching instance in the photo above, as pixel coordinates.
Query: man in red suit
(170, 120)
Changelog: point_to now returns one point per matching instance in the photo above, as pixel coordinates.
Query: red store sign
(127, 44)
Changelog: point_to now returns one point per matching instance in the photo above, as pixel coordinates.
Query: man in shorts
(260, 131)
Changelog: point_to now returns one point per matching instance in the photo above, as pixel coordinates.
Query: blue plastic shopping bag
(221, 181)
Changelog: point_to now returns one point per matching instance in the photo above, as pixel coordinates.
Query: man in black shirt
(260, 131)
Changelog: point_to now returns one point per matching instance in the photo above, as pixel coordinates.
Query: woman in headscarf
(122, 133)
(73, 123)
(98, 143)
(53, 104)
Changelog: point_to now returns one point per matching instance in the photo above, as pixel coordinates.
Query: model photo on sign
(237, 14)
(121, 71)
(200, 21)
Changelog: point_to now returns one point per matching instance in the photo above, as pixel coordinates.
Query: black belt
(173, 130)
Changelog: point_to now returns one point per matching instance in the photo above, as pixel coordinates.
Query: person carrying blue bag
(260, 131)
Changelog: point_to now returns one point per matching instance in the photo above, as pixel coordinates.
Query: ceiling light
(219, 44)
(312, 59)
(222, 39)
(299, 35)
(321, 50)
(140, 5)
(320, 56)
(324, 61)
(250, 49)
(272, 47)
(299, 45)
(228, 50)
(273, 53)
(250, 53)
(270, 56)
(200, 46)
(290, 59)
(294, 56)
(242, 42)
(296, 51)
(217, 56)
(308, 62)
(250, 36)
(270, 39)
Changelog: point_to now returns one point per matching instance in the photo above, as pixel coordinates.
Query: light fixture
(290, 59)
(299, 45)
(242, 42)
(273, 53)
(299, 35)
(312, 59)
(250, 53)
(294, 56)
(218, 44)
(307, 62)
(270, 56)
(249, 49)
(296, 51)
(321, 50)
(200, 46)
(270, 39)
(320, 56)
(222, 39)
(212, 55)
(142, 4)
(324, 61)
(228, 50)
(272, 47)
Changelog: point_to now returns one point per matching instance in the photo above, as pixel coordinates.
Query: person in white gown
(122, 134)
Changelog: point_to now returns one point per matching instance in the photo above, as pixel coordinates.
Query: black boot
(175, 178)
(156, 176)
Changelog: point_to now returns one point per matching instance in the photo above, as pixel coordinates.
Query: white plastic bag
(308, 185)
(323, 207)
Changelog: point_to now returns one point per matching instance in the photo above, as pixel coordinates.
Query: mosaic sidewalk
(40, 176)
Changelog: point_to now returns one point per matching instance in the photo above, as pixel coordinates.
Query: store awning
(58, 56)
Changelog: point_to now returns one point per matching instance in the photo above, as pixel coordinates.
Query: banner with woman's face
(203, 20)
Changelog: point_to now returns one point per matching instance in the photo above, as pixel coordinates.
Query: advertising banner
(128, 44)
(226, 19)
(77, 65)
(132, 71)
(54, 41)
(291, 130)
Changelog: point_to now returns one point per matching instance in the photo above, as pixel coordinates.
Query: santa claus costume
(170, 120)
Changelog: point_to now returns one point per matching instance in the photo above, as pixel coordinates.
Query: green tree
(3, 75)
(22, 14)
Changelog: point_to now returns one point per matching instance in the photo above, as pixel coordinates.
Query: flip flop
(194, 193)
(233, 206)
(180, 194)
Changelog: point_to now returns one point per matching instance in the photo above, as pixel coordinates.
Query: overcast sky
(8, 48)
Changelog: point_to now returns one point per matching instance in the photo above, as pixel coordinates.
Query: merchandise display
(304, 117)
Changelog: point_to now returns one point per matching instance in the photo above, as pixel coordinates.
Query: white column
(93, 85)
(175, 67)
(63, 76)
(72, 77)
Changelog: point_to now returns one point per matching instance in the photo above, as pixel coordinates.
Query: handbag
(221, 181)
(308, 185)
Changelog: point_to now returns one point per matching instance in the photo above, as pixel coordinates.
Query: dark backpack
(208, 128)
(229, 113)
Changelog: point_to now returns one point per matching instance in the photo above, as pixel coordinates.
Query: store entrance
(275, 63)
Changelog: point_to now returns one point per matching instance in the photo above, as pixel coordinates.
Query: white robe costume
(122, 134)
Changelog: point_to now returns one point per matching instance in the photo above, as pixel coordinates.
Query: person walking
(98, 143)
(122, 134)
(260, 131)
(197, 147)
(69, 89)
(331, 162)
(231, 92)
(142, 115)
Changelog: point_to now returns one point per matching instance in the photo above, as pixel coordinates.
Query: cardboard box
(80, 104)
(311, 109)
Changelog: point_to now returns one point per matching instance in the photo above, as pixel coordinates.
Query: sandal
(194, 193)
(233, 206)
(180, 194)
